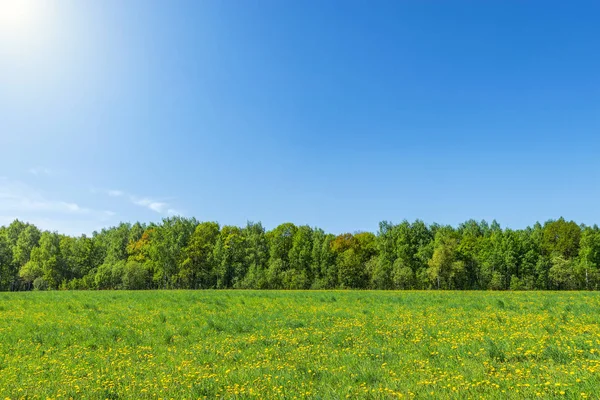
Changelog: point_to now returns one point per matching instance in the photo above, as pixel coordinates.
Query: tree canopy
(182, 253)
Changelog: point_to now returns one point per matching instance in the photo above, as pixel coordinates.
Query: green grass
(275, 344)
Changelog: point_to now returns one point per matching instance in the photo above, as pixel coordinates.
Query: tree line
(182, 253)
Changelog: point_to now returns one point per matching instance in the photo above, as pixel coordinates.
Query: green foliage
(28, 237)
(561, 273)
(110, 276)
(7, 272)
(446, 269)
(352, 273)
(40, 283)
(380, 271)
(183, 253)
(516, 283)
(198, 270)
(403, 276)
(229, 257)
(135, 276)
(561, 238)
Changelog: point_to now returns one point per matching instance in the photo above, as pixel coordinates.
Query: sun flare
(16, 16)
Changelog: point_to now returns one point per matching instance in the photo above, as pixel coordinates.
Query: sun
(17, 16)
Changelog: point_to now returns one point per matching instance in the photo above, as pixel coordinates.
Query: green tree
(354, 254)
(380, 271)
(166, 251)
(135, 276)
(561, 273)
(256, 256)
(28, 238)
(324, 269)
(113, 242)
(446, 270)
(198, 270)
(281, 240)
(587, 269)
(352, 273)
(472, 236)
(78, 256)
(561, 238)
(299, 275)
(403, 276)
(229, 253)
(110, 275)
(7, 273)
(46, 262)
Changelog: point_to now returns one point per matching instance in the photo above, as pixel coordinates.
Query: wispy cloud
(18, 196)
(158, 206)
(115, 193)
(23, 201)
(37, 171)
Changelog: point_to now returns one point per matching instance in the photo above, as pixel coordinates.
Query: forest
(183, 253)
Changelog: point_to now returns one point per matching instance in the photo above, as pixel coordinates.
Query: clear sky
(333, 114)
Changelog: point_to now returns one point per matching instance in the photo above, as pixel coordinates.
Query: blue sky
(332, 114)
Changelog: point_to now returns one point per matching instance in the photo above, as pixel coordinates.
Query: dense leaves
(183, 253)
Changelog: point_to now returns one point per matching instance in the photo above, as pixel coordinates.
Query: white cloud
(74, 207)
(158, 206)
(37, 171)
(115, 193)
(22, 201)
(20, 197)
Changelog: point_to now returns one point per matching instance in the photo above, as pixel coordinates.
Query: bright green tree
(198, 270)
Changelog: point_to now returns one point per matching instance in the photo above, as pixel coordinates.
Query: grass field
(330, 344)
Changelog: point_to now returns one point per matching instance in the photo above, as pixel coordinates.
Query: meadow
(299, 344)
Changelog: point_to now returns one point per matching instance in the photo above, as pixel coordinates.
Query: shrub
(40, 284)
